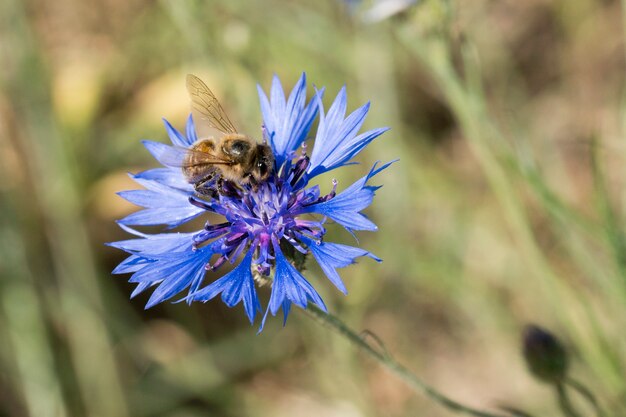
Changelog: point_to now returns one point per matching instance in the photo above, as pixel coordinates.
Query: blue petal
(167, 176)
(161, 216)
(169, 156)
(174, 273)
(131, 264)
(236, 286)
(158, 243)
(277, 96)
(289, 286)
(159, 187)
(335, 115)
(345, 207)
(164, 205)
(333, 255)
(191, 131)
(336, 141)
(176, 137)
(287, 122)
(141, 287)
(148, 198)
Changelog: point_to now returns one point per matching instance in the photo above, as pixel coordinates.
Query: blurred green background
(506, 206)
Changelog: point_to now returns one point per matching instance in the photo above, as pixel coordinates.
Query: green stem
(392, 365)
(586, 393)
(565, 403)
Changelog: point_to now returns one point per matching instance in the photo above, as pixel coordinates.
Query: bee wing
(175, 156)
(204, 102)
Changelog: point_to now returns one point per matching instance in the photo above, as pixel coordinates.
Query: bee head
(263, 163)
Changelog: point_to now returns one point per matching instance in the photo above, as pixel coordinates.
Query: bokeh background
(506, 207)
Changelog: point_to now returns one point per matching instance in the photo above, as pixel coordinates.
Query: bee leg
(254, 185)
(228, 188)
(206, 187)
(207, 192)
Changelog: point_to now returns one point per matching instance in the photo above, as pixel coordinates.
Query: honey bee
(219, 165)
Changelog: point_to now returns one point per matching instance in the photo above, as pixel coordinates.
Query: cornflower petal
(162, 152)
(162, 205)
(131, 264)
(173, 272)
(287, 122)
(192, 137)
(141, 287)
(235, 287)
(336, 141)
(155, 244)
(346, 206)
(331, 256)
(167, 176)
(289, 286)
(177, 138)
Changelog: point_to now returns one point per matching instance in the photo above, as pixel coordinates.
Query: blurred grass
(506, 206)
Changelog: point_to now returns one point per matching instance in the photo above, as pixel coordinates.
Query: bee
(221, 165)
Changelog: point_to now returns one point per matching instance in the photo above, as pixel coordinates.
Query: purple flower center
(257, 218)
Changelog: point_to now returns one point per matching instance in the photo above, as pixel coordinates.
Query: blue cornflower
(270, 226)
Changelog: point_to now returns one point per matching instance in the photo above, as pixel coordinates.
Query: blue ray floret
(266, 230)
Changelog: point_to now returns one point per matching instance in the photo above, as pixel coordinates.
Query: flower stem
(586, 393)
(564, 402)
(392, 365)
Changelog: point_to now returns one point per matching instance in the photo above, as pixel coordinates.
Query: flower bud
(545, 356)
